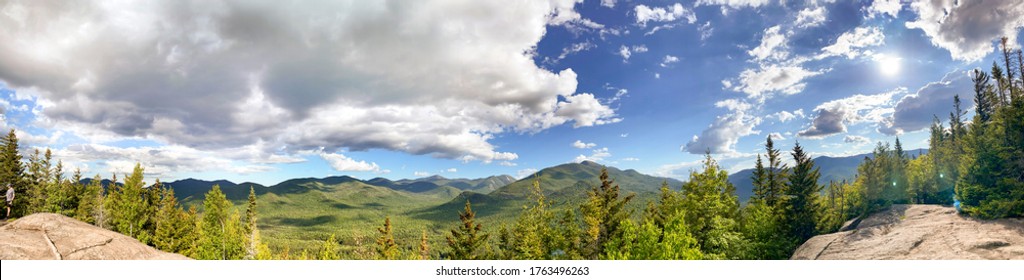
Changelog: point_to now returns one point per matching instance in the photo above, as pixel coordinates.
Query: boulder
(48, 236)
(919, 232)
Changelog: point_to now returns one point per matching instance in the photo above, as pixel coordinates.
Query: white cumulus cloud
(675, 12)
(967, 28)
(337, 74)
(581, 145)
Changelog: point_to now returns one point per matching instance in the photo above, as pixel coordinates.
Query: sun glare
(888, 65)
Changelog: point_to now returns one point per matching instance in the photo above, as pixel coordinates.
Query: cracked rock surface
(48, 236)
(919, 232)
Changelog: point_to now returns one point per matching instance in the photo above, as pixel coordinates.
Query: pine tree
(12, 172)
(801, 195)
(603, 212)
(465, 242)
(387, 249)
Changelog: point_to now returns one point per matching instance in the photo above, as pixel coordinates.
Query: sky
(265, 91)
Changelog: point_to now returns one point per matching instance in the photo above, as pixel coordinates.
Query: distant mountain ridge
(186, 188)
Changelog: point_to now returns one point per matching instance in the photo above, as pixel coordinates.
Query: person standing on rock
(10, 200)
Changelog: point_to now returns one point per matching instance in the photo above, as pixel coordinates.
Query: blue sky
(263, 92)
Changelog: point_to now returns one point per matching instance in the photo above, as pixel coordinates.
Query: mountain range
(299, 212)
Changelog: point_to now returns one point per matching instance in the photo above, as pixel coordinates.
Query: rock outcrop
(47, 236)
(920, 232)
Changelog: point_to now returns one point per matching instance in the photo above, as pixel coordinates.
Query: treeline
(976, 165)
(150, 214)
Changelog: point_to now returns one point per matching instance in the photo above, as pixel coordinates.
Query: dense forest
(975, 164)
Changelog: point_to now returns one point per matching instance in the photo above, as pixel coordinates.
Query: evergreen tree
(801, 213)
(424, 248)
(127, 207)
(175, 228)
(329, 250)
(775, 177)
(465, 242)
(922, 180)
(220, 234)
(12, 171)
(38, 182)
(568, 245)
(603, 212)
(759, 179)
(760, 225)
(898, 174)
(250, 229)
(387, 249)
(984, 107)
(90, 202)
(533, 236)
(710, 206)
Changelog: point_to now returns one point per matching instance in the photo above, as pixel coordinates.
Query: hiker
(10, 200)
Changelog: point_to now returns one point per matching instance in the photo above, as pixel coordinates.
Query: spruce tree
(220, 233)
(465, 241)
(759, 178)
(127, 206)
(12, 171)
(775, 177)
(983, 104)
(603, 212)
(387, 249)
(801, 196)
(250, 228)
(175, 228)
(709, 203)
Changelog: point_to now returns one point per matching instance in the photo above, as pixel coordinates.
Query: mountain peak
(591, 163)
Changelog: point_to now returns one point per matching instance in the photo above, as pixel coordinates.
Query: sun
(888, 65)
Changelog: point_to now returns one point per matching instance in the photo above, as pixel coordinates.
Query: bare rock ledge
(48, 236)
(919, 232)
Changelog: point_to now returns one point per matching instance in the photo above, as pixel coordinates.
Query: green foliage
(835, 206)
(127, 206)
(387, 249)
(220, 231)
(465, 241)
(710, 203)
(762, 227)
(769, 183)
(800, 203)
(923, 181)
(175, 227)
(424, 248)
(90, 203)
(252, 241)
(603, 212)
(12, 171)
(329, 250)
(648, 241)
